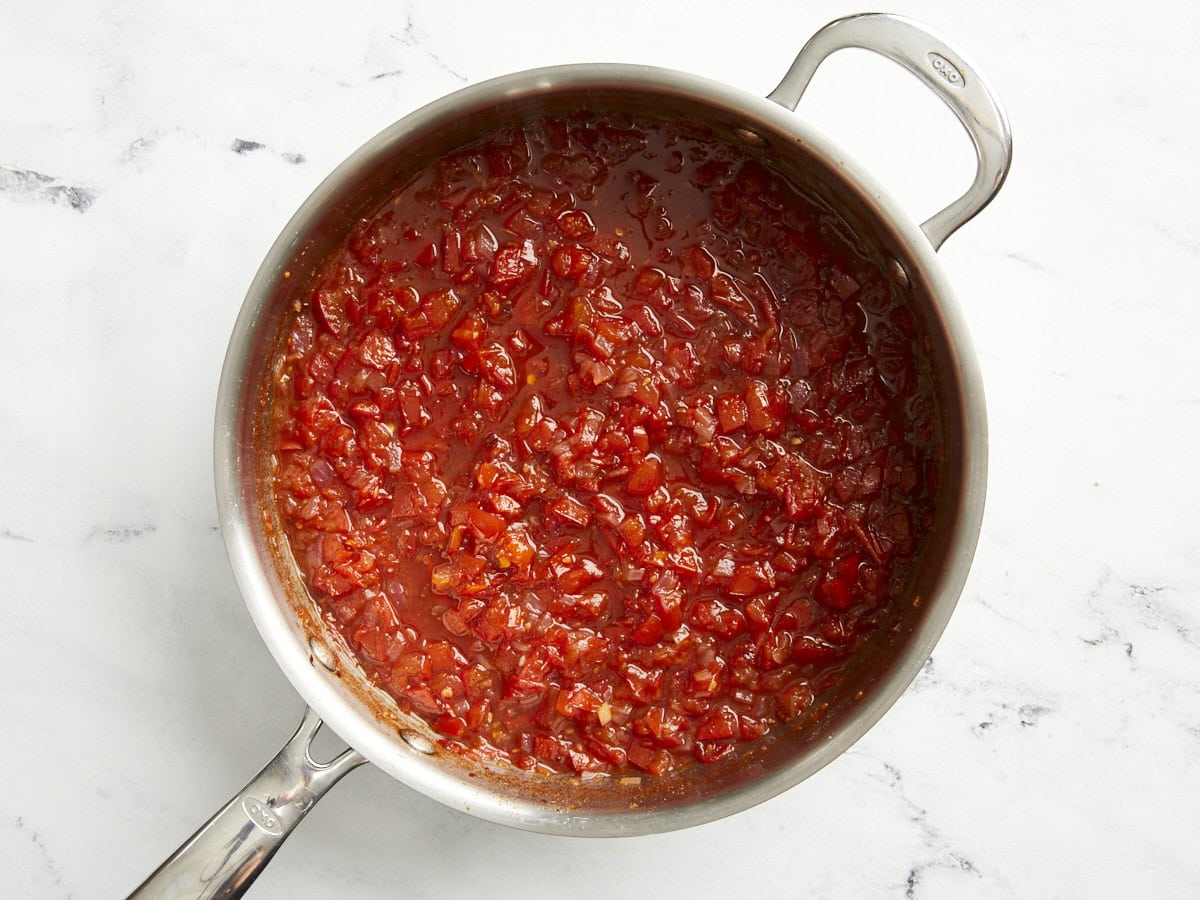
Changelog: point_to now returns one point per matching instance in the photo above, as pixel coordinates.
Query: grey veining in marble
(149, 154)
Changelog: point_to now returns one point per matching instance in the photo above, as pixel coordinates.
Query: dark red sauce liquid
(602, 448)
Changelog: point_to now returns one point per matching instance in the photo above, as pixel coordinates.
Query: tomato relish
(602, 446)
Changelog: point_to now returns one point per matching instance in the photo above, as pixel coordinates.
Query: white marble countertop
(151, 151)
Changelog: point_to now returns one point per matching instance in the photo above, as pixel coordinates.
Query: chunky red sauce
(602, 448)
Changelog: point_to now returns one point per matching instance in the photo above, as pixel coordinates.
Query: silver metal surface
(284, 614)
(224, 857)
(947, 73)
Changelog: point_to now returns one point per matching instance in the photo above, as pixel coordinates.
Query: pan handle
(946, 72)
(224, 857)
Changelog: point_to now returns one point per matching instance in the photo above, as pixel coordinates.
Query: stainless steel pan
(223, 857)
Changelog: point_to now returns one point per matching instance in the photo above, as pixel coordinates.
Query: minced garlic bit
(604, 713)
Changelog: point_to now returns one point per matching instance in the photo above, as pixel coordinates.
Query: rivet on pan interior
(322, 654)
(746, 136)
(897, 271)
(417, 741)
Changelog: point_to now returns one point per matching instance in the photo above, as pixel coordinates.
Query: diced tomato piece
(750, 578)
(665, 728)
(515, 547)
(648, 281)
(451, 726)
(578, 702)
(646, 477)
(721, 723)
(487, 524)
(794, 700)
(413, 664)
(570, 510)
(513, 264)
(633, 530)
(469, 333)
(645, 685)
(670, 609)
(711, 751)
(838, 589)
(579, 576)
(751, 729)
(714, 616)
(576, 224)
(836, 593)
(650, 630)
(454, 623)
(496, 364)
(731, 413)
(373, 642)
(810, 649)
(330, 306)
(529, 679)
(572, 262)
(764, 408)
(428, 257)
(656, 762)
(422, 700)
(445, 657)
(377, 350)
